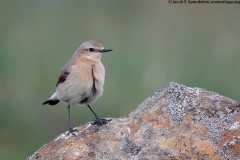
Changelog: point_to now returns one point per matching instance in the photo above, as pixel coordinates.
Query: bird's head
(92, 50)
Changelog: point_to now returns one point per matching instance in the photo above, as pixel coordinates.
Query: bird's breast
(83, 85)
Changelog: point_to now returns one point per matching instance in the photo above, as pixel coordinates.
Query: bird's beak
(105, 50)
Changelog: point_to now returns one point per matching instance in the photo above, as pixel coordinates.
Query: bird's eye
(91, 49)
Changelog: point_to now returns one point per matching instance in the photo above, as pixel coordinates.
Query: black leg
(70, 130)
(98, 121)
(93, 112)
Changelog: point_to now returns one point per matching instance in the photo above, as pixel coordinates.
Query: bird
(81, 80)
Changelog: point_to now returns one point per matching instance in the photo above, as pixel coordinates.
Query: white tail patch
(54, 96)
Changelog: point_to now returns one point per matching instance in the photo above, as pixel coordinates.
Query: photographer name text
(204, 1)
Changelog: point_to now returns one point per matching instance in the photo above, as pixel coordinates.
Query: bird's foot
(100, 121)
(71, 131)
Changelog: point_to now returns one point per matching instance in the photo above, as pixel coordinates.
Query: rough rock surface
(177, 122)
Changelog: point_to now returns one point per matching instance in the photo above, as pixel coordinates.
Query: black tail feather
(51, 102)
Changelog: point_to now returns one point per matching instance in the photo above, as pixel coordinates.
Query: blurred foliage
(154, 43)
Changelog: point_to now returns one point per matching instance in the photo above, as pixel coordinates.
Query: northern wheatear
(82, 79)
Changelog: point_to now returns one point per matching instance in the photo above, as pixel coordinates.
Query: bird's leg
(70, 130)
(98, 121)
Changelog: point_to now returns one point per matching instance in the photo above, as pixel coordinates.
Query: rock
(177, 122)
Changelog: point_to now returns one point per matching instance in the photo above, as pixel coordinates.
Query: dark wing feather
(66, 71)
(62, 77)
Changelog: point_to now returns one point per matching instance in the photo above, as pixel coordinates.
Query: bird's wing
(65, 71)
(63, 76)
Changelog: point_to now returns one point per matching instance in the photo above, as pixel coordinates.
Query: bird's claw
(100, 121)
(71, 131)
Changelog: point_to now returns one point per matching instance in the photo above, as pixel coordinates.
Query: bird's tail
(53, 100)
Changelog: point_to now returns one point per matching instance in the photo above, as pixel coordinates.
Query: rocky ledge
(177, 122)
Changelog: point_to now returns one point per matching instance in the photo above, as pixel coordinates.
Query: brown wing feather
(66, 70)
(62, 77)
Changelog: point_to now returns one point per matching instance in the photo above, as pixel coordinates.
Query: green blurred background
(154, 43)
